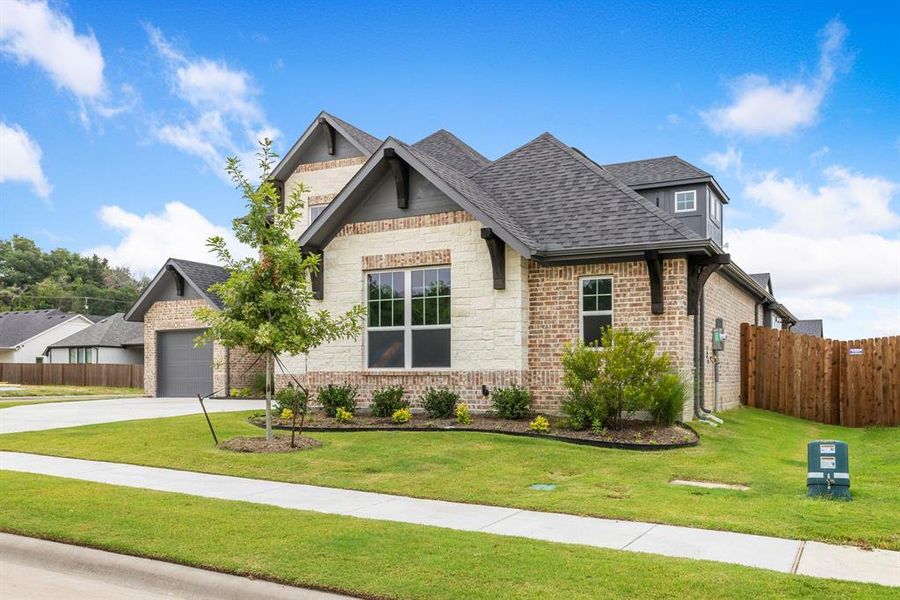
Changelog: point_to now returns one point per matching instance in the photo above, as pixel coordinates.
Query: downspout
(700, 410)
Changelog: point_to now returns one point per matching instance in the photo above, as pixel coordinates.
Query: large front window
(409, 319)
(596, 308)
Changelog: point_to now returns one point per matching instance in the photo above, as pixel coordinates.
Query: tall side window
(409, 319)
(715, 207)
(73, 356)
(315, 210)
(686, 201)
(596, 308)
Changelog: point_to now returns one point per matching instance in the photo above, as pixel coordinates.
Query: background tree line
(32, 279)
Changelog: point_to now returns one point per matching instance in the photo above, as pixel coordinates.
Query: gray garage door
(182, 369)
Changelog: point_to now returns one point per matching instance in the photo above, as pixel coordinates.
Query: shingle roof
(655, 170)
(18, 326)
(762, 279)
(809, 327)
(450, 150)
(367, 141)
(566, 201)
(203, 275)
(111, 331)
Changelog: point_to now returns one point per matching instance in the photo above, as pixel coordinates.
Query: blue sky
(115, 117)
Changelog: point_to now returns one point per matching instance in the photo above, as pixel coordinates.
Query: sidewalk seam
(797, 558)
(517, 512)
(651, 528)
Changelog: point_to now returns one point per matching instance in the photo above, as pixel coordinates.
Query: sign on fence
(815, 378)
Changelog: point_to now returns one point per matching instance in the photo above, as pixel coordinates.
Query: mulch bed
(280, 443)
(637, 435)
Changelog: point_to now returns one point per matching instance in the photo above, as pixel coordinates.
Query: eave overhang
(689, 181)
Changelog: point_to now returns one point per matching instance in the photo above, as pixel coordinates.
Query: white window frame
(311, 206)
(595, 313)
(407, 326)
(693, 208)
(715, 207)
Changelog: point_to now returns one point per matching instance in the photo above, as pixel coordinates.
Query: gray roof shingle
(18, 326)
(203, 275)
(450, 150)
(367, 141)
(762, 279)
(809, 327)
(566, 201)
(111, 331)
(655, 170)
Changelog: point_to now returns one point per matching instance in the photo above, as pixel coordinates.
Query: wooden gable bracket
(179, 280)
(655, 270)
(329, 134)
(497, 250)
(279, 189)
(316, 278)
(401, 176)
(699, 270)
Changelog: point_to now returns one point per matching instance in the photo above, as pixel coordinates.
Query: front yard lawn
(58, 393)
(371, 558)
(763, 450)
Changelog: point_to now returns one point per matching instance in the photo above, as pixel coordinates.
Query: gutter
(707, 247)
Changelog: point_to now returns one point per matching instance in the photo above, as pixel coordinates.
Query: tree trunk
(268, 397)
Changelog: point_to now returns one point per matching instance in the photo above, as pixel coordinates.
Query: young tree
(267, 298)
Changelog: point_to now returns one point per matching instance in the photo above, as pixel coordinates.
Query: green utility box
(828, 469)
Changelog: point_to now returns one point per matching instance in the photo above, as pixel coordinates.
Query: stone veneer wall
(323, 181)
(554, 318)
(724, 299)
(489, 327)
(179, 314)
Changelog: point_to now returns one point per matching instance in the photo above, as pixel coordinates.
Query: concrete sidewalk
(31, 568)
(788, 556)
(55, 415)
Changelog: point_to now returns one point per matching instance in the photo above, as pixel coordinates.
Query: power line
(74, 298)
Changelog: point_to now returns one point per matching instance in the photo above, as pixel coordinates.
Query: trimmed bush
(511, 402)
(583, 404)
(463, 417)
(290, 399)
(343, 416)
(401, 416)
(540, 424)
(668, 398)
(334, 396)
(257, 386)
(387, 401)
(439, 403)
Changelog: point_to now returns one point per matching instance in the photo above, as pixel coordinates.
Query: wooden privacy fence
(854, 383)
(81, 375)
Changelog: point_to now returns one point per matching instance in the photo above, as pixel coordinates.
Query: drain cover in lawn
(544, 487)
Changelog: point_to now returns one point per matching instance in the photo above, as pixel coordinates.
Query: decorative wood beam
(317, 278)
(655, 269)
(699, 270)
(329, 134)
(401, 176)
(497, 250)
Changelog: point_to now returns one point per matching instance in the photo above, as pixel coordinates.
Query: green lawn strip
(57, 399)
(369, 558)
(37, 391)
(764, 450)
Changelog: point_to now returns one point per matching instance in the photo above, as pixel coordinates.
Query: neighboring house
(478, 272)
(173, 365)
(809, 327)
(111, 340)
(25, 334)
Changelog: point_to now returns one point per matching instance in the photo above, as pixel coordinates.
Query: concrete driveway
(37, 417)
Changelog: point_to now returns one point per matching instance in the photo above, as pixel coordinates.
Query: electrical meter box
(718, 336)
(828, 469)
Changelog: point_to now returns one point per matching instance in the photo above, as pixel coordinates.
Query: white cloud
(761, 107)
(673, 119)
(148, 240)
(20, 159)
(723, 162)
(819, 154)
(848, 202)
(224, 103)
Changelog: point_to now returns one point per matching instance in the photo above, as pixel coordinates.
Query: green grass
(764, 450)
(44, 393)
(371, 558)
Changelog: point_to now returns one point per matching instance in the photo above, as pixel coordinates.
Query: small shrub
(540, 424)
(387, 401)
(343, 416)
(439, 403)
(287, 413)
(668, 398)
(511, 402)
(240, 392)
(333, 396)
(401, 415)
(463, 417)
(581, 373)
(290, 398)
(597, 428)
(257, 387)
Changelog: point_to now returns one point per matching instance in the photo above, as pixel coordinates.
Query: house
(111, 340)
(476, 273)
(173, 364)
(25, 334)
(809, 327)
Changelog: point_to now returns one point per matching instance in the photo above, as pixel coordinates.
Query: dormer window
(686, 201)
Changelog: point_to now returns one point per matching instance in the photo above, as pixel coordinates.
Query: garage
(182, 368)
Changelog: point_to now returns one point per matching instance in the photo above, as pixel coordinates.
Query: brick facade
(400, 260)
(179, 314)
